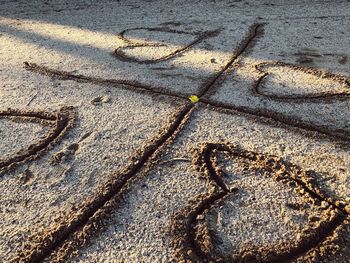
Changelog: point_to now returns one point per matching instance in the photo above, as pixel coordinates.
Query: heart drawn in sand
(57, 122)
(282, 81)
(153, 45)
(260, 209)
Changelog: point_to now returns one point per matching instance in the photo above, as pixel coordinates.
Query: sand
(103, 158)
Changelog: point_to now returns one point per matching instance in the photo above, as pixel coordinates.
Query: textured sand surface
(103, 158)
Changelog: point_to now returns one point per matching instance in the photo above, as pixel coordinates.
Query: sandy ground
(103, 158)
